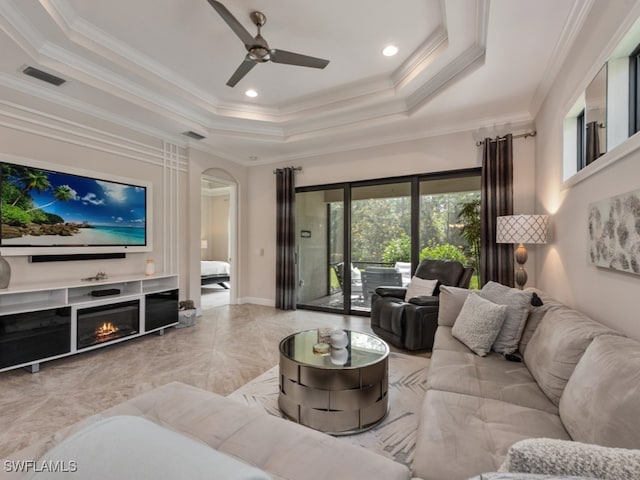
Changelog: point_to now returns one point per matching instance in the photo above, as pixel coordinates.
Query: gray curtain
(285, 239)
(497, 259)
(592, 142)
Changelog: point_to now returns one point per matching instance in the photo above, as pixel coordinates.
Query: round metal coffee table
(341, 392)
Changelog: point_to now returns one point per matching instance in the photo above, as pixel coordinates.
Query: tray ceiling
(160, 66)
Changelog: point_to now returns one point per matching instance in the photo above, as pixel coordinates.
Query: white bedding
(214, 267)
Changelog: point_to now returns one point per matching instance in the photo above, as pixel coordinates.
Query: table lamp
(521, 229)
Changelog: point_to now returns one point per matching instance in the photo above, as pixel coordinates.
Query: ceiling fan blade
(241, 71)
(290, 58)
(235, 25)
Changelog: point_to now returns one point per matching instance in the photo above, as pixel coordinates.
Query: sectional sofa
(579, 381)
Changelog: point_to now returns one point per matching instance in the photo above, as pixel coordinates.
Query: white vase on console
(150, 268)
(5, 273)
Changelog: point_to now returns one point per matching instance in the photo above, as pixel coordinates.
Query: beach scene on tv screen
(47, 208)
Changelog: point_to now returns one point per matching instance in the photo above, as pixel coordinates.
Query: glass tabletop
(362, 350)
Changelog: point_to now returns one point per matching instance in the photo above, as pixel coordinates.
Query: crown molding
(462, 65)
(522, 121)
(482, 22)
(577, 16)
(431, 129)
(88, 36)
(46, 94)
(110, 82)
(344, 109)
(19, 29)
(97, 41)
(433, 46)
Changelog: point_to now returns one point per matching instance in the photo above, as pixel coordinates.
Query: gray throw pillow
(518, 304)
(479, 323)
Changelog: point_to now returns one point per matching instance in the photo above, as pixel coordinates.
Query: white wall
(216, 168)
(563, 268)
(61, 144)
(442, 153)
(214, 227)
(175, 177)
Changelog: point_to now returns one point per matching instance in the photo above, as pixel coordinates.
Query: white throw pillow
(518, 304)
(479, 323)
(419, 287)
(451, 302)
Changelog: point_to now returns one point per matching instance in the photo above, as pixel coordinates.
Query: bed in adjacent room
(214, 271)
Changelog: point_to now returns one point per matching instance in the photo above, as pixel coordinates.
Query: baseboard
(265, 302)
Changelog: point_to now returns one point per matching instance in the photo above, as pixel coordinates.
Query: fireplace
(107, 323)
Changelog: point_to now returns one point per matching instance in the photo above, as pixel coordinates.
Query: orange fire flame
(107, 328)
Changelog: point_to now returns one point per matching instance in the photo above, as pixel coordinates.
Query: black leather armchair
(412, 325)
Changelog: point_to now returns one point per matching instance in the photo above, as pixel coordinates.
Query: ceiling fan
(257, 47)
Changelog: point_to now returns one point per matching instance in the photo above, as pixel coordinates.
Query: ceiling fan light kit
(258, 50)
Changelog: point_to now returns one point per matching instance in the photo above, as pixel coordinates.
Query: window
(355, 237)
(634, 94)
(580, 150)
(606, 111)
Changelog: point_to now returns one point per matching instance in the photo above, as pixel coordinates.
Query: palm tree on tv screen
(62, 193)
(32, 180)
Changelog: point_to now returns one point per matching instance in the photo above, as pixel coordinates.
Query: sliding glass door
(380, 237)
(447, 231)
(320, 249)
(355, 237)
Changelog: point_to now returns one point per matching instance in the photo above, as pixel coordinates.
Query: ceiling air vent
(44, 76)
(194, 135)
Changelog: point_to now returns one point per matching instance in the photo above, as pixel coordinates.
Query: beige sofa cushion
(285, 450)
(535, 317)
(557, 345)
(601, 402)
(489, 377)
(460, 436)
(126, 446)
(450, 304)
(444, 340)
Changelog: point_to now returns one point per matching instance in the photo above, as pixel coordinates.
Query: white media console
(44, 322)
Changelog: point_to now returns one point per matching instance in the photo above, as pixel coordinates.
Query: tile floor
(228, 346)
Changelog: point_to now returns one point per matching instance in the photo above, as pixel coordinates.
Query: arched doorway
(218, 239)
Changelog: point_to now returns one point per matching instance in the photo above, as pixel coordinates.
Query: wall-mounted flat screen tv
(48, 211)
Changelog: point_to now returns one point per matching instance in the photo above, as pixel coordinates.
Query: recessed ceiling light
(390, 50)
(251, 93)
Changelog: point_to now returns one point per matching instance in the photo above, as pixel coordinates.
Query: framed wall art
(614, 232)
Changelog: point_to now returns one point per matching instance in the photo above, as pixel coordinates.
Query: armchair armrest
(425, 301)
(396, 292)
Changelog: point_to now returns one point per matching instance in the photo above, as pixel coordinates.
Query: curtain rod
(522, 135)
(297, 169)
